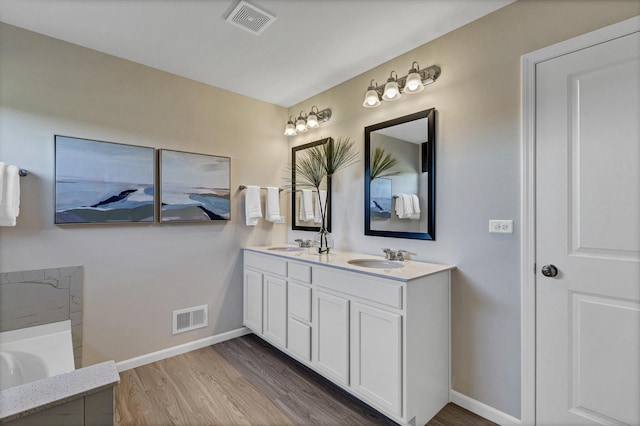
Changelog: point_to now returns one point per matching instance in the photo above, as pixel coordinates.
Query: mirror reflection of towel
(407, 206)
(306, 205)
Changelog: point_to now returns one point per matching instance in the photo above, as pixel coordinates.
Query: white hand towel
(252, 208)
(321, 201)
(415, 205)
(306, 205)
(3, 167)
(399, 206)
(272, 205)
(10, 204)
(406, 205)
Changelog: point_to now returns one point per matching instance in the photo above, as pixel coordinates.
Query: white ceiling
(312, 45)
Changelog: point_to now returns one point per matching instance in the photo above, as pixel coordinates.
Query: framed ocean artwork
(103, 182)
(194, 187)
(380, 207)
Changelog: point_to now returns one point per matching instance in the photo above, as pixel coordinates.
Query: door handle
(549, 270)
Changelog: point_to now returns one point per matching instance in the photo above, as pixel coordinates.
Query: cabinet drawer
(271, 264)
(365, 286)
(300, 272)
(300, 301)
(299, 341)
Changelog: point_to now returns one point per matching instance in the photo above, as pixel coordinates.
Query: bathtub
(35, 353)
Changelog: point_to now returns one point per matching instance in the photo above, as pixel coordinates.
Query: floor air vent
(189, 319)
(250, 18)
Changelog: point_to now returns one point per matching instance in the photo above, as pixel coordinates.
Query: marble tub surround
(84, 395)
(43, 296)
(411, 269)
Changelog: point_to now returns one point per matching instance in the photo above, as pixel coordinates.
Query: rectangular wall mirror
(400, 177)
(300, 221)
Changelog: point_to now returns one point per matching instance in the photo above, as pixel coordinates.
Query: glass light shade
(414, 83)
(301, 125)
(371, 99)
(391, 91)
(312, 121)
(290, 130)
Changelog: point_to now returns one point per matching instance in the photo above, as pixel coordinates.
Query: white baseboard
(482, 409)
(138, 361)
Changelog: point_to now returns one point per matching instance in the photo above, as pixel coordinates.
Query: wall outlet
(501, 226)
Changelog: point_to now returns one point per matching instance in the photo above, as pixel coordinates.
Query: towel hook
(23, 172)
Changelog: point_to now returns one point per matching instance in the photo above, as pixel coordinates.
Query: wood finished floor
(245, 381)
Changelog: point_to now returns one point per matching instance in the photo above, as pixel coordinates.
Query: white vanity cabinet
(331, 336)
(265, 297)
(382, 335)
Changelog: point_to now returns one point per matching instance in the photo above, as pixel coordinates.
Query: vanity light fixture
(371, 98)
(301, 124)
(290, 128)
(312, 118)
(392, 90)
(305, 122)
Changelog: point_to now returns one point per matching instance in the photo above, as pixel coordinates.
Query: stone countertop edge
(339, 259)
(30, 398)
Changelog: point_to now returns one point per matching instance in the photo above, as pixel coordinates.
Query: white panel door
(252, 308)
(588, 227)
(331, 336)
(275, 310)
(376, 356)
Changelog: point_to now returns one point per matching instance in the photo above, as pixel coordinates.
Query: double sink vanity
(377, 328)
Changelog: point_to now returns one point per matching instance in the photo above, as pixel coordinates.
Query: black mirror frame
(295, 227)
(428, 164)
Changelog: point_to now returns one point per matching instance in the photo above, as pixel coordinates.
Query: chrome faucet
(303, 244)
(395, 254)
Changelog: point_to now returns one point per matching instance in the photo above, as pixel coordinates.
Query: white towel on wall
(10, 200)
(252, 208)
(272, 205)
(306, 205)
(321, 201)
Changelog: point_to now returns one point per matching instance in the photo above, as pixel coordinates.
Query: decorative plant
(381, 164)
(320, 162)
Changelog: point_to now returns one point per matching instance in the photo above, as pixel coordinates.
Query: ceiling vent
(250, 18)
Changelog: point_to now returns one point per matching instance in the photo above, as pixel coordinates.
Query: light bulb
(312, 120)
(371, 98)
(414, 83)
(290, 130)
(391, 91)
(301, 125)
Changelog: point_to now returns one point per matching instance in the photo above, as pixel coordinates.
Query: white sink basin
(285, 248)
(376, 263)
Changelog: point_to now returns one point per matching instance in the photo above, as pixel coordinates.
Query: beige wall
(135, 275)
(477, 98)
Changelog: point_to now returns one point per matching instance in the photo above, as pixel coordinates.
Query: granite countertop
(23, 400)
(411, 269)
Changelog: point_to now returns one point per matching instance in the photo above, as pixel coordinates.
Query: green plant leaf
(382, 163)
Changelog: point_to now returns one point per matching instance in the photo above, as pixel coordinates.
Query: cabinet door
(376, 356)
(331, 336)
(299, 339)
(275, 310)
(299, 302)
(252, 315)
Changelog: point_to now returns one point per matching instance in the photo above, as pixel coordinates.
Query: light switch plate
(501, 226)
